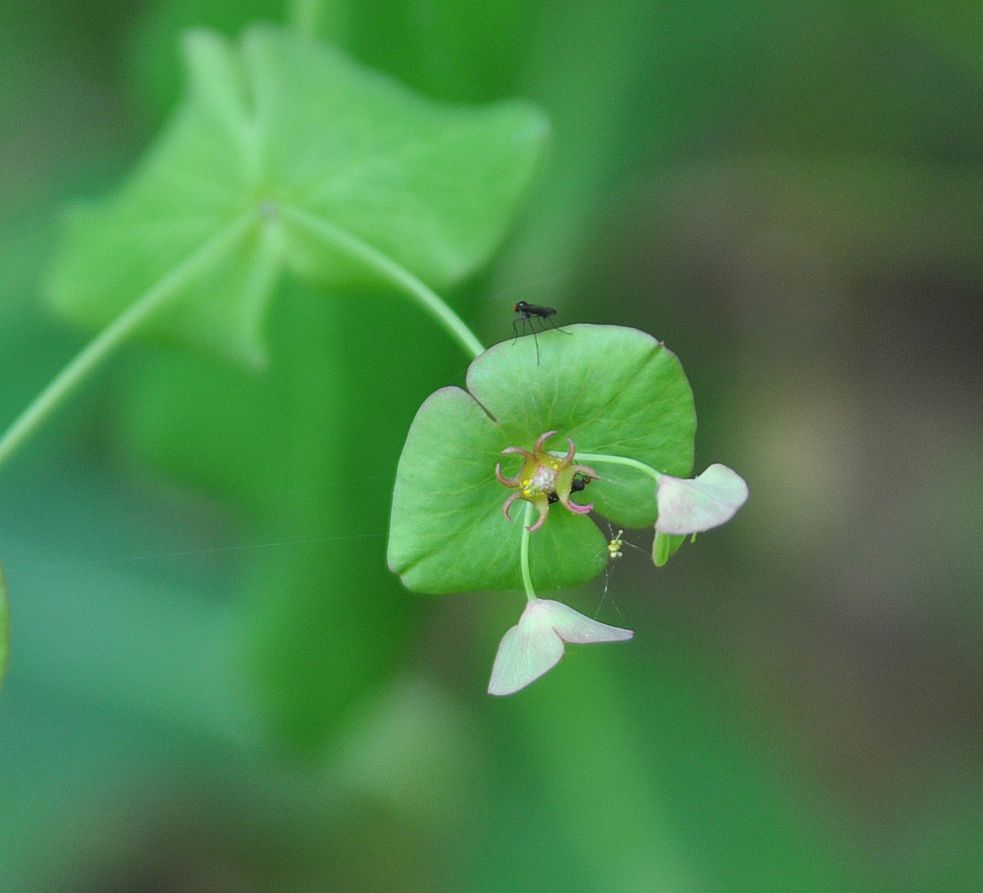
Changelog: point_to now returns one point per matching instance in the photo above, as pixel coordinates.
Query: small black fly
(526, 313)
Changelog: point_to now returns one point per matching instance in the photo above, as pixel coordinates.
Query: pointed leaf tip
(574, 627)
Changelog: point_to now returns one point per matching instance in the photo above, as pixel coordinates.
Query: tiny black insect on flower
(527, 310)
(526, 313)
(578, 483)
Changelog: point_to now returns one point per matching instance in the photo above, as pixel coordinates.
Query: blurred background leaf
(285, 154)
(789, 197)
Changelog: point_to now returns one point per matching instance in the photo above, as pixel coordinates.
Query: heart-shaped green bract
(612, 390)
(279, 123)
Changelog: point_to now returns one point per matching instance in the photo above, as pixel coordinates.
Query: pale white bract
(696, 504)
(535, 644)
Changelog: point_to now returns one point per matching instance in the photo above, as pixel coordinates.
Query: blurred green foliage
(4, 625)
(216, 684)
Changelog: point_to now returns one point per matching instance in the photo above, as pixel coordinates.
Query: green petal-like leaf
(280, 123)
(612, 390)
(664, 546)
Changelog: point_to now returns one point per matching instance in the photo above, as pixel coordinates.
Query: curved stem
(121, 328)
(428, 299)
(524, 554)
(620, 460)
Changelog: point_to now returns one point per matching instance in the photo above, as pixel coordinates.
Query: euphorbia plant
(622, 404)
(286, 158)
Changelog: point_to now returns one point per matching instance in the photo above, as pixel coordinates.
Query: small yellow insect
(615, 548)
(616, 545)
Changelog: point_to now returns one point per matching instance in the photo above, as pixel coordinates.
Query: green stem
(117, 332)
(524, 554)
(305, 16)
(428, 299)
(620, 460)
